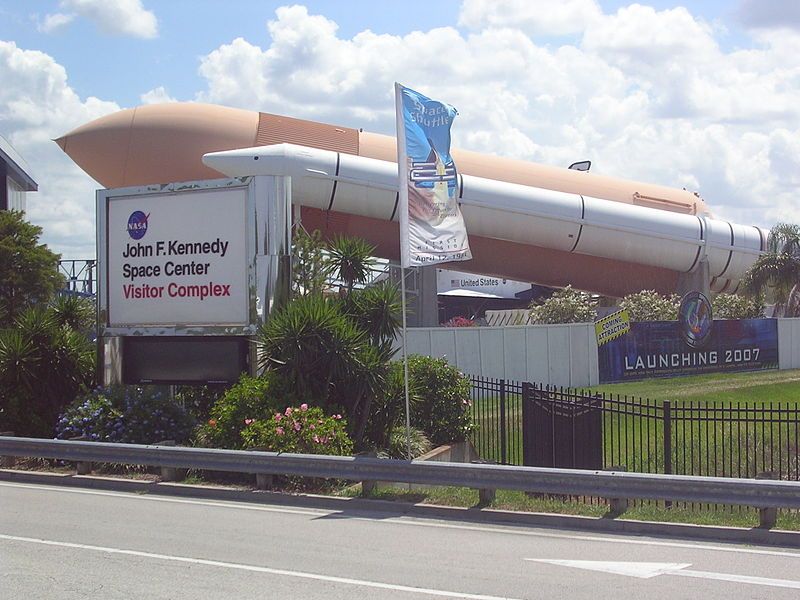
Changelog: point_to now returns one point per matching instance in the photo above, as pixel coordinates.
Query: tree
(777, 272)
(649, 305)
(312, 265)
(28, 269)
(564, 306)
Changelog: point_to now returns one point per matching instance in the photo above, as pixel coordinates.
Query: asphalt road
(64, 543)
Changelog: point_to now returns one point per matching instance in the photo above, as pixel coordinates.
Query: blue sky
(702, 95)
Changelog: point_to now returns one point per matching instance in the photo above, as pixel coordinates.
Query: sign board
(177, 258)
(612, 326)
(660, 349)
(456, 283)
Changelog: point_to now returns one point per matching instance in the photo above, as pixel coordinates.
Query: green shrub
(301, 430)
(126, 414)
(732, 306)
(398, 443)
(250, 398)
(649, 305)
(442, 411)
(198, 399)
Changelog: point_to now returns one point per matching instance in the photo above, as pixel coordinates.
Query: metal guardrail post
(82, 467)
(7, 462)
(264, 481)
(767, 516)
(617, 506)
(168, 473)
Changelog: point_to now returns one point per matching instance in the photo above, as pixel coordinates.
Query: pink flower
(279, 430)
(288, 410)
(278, 416)
(312, 427)
(248, 421)
(304, 407)
(337, 417)
(297, 426)
(316, 439)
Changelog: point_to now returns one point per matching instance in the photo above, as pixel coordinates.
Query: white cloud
(53, 22)
(37, 105)
(644, 94)
(769, 14)
(535, 17)
(116, 17)
(157, 95)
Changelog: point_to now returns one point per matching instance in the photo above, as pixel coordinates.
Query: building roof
(15, 167)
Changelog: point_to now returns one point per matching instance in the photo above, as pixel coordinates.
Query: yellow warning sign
(612, 326)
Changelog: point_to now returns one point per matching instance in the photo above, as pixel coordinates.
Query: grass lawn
(755, 386)
(519, 501)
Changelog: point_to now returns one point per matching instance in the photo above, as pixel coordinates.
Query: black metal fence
(524, 423)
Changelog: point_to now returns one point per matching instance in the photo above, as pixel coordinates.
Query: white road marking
(647, 570)
(255, 568)
(407, 520)
(640, 570)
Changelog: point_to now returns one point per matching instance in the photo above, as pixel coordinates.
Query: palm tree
(778, 270)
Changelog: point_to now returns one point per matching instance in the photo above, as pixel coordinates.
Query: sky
(701, 95)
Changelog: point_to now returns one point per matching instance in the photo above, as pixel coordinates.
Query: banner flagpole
(402, 172)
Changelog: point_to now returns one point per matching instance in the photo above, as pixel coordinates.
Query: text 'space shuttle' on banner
(432, 228)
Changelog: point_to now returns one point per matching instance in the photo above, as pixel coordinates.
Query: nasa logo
(137, 224)
(695, 319)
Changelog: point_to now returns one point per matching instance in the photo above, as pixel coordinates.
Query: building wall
(15, 196)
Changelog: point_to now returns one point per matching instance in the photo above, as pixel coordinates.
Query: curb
(354, 506)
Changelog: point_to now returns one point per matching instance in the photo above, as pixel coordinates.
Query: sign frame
(105, 197)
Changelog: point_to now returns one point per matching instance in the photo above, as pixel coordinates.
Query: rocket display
(526, 221)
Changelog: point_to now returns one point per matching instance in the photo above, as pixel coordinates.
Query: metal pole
(405, 361)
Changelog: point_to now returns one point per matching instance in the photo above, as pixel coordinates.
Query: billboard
(659, 349)
(177, 259)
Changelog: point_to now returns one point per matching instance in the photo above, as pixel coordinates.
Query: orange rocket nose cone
(158, 143)
(100, 147)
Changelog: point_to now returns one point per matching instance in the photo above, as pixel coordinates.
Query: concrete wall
(789, 343)
(554, 354)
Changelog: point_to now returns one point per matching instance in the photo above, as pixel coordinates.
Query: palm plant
(778, 270)
(351, 260)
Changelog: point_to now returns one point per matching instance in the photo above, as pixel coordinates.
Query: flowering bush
(564, 306)
(649, 305)
(299, 429)
(731, 306)
(443, 408)
(250, 398)
(459, 322)
(126, 414)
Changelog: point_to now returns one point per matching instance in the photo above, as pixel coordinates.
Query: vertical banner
(432, 228)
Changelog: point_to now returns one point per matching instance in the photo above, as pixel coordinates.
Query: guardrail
(765, 494)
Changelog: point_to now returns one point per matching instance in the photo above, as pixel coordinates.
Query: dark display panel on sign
(173, 360)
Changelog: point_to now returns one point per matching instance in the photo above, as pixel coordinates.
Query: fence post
(767, 516)
(667, 412)
(7, 462)
(503, 449)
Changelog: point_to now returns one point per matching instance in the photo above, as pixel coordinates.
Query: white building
(15, 178)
